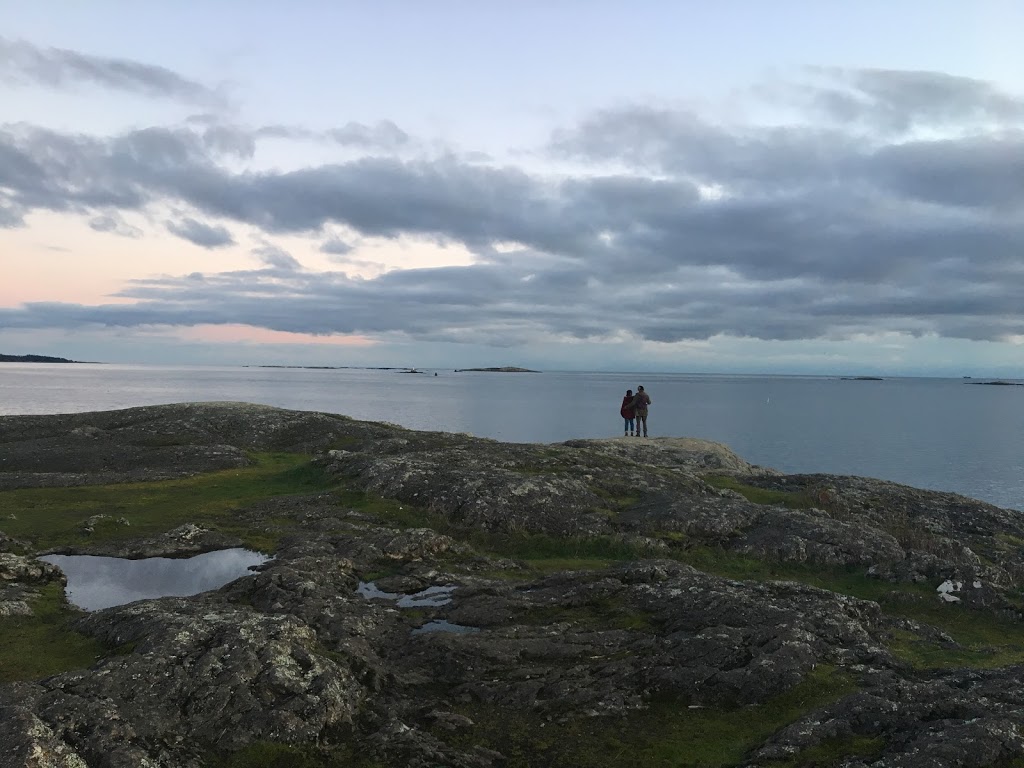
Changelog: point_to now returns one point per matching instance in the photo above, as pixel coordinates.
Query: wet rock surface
(304, 653)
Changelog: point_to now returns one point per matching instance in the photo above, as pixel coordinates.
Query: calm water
(101, 582)
(931, 433)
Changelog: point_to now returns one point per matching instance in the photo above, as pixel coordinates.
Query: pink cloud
(248, 334)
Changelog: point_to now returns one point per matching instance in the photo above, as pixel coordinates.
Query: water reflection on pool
(101, 582)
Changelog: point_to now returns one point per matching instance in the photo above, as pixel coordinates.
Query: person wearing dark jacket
(627, 412)
(640, 403)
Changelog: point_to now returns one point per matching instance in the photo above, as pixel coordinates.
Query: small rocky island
(34, 359)
(502, 369)
(442, 600)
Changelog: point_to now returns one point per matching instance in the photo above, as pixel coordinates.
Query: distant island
(503, 369)
(998, 383)
(34, 359)
(862, 378)
(343, 368)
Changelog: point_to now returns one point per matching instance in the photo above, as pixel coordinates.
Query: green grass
(390, 511)
(666, 735)
(791, 499)
(44, 644)
(538, 547)
(52, 517)
(850, 580)
(982, 640)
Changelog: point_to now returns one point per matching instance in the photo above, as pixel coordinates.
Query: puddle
(431, 597)
(102, 582)
(444, 626)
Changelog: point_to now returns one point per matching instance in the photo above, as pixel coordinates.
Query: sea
(941, 434)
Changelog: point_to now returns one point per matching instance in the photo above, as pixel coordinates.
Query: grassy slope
(53, 517)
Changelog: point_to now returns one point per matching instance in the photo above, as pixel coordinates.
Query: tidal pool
(101, 582)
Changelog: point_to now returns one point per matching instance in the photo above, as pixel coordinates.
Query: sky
(741, 186)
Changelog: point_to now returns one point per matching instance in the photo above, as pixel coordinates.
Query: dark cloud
(336, 246)
(11, 215)
(24, 63)
(200, 234)
(981, 172)
(677, 228)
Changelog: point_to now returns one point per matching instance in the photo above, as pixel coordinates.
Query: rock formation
(444, 600)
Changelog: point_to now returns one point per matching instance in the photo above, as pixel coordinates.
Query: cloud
(672, 227)
(11, 216)
(22, 63)
(276, 258)
(383, 134)
(985, 172)
(896, 100)
(115, 225)
(200, 234)
(336, 246)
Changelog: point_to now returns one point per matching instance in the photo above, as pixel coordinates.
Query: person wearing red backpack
(627, 412)
(640, 403)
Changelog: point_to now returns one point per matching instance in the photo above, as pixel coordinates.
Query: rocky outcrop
(384, 631)
(155, 442)
(19, 578)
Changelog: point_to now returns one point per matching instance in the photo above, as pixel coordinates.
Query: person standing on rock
(640, 403)
(627, 412)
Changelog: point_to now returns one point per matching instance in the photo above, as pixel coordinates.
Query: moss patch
(832, 752)
(44, 644)
(980, 640)
(538, 547)
(791, 499)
